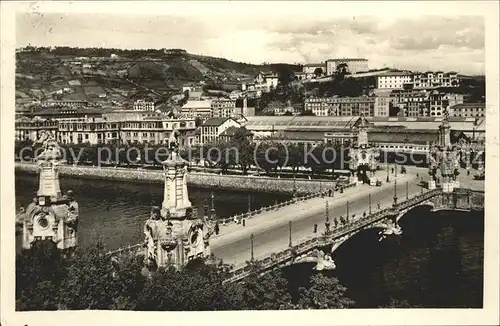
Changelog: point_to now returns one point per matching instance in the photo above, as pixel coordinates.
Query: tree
(324, 293)
(318, 72)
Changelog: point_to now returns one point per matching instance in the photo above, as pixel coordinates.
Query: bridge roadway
(271, 229)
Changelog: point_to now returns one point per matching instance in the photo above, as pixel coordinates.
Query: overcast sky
(419, 43)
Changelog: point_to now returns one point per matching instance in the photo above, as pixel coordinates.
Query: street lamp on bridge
(249, 203)
(369, 203)
(406, 190)
(290, 233)
(395, 194)
(347, 210)
(251, 247)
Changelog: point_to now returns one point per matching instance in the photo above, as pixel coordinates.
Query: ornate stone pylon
(444, 158)
(174, 235)
(51, 215)
(361, 153)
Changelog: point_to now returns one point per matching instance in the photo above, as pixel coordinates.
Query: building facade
(212, 128)
(264, 81)
(468, 110)
(341, 106)
(197, 108)
(142, 105)
(310, 68)
(394, 80)
(431, 79)
(223, 107)
(354, 65)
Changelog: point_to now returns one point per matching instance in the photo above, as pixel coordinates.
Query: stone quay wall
(197, 179)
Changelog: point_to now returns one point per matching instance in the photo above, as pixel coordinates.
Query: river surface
(436, 262)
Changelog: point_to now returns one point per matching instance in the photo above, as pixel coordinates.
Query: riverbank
(196, 179)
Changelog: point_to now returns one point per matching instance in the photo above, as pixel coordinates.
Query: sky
(414, 42)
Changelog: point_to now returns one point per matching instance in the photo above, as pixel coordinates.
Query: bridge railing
(309, 243)
(238, 218)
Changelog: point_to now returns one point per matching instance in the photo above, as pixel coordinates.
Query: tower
(363, 157)
(174, 235)
(52, 215)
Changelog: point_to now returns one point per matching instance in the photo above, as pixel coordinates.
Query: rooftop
(348, 59)
(197, 104)
(215, 122)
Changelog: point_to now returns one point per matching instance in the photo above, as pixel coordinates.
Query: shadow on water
(436, 263)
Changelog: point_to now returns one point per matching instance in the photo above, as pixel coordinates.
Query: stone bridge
(386, 219)
(309, 249)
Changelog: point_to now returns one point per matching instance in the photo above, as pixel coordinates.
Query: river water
(437, 262)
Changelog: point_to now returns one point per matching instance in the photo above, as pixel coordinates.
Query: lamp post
(249, 203)
(406, 190)
(387, 164)
(347, 209)
(290, 233)
(251, 247)
(369, 203)
(395, 170)
(395, 194)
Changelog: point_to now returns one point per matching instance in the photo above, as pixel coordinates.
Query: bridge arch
(341, 241)
(403, 212)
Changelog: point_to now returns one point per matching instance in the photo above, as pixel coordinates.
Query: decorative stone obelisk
(51, 216)
(174, 235)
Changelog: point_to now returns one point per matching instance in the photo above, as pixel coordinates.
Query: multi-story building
(29, 129)
(143, 129)
(436, 79)
(353, 65)
(381, 105)
(394, 80)
(341, 106)
(197, 108)
(468, 110)
(439, 101)
(142, 105)
(223, 107)
(157, 130)
(64, 103)
(264, 81)
(212, 128)
(411, 103)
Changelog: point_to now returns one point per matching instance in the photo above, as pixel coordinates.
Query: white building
(431, 79)
(142, 105)
(223, 107)
(394, 80)
(212, 128)
(310, 68)
(264, 81)
(354, 65)
(197, 108)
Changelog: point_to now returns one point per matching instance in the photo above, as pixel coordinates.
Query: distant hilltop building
(427, 80)
(174, 51)
(353, 65)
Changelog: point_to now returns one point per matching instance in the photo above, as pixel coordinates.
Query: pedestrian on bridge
(216, 228)
(335, 222)
(378, 205)
(315, 229)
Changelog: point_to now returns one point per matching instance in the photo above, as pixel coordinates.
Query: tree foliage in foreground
(88, 280)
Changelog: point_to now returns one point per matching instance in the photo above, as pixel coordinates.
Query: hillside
(104, 75)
